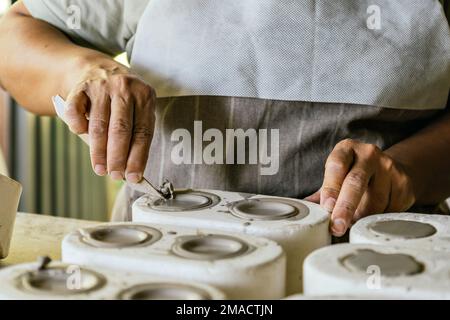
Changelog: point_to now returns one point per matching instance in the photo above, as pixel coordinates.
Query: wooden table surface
(39, 235)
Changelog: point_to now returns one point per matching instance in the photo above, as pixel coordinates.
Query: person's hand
(361, 180)
(117, 110)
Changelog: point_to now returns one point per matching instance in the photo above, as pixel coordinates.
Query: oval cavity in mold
(186, 200)
(164, 291)
(390, 265)
(403, 229)
(210, 247)
(60, 281)
(120, 236)
(268, 209)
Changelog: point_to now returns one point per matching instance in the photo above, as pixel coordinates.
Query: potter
(355, 93)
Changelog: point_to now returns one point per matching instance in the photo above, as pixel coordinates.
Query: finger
(337, 166)
(353, 189)
(315, 197)
(401, 198)
(144, 123)
(376, 199)
(98, 131)
(119, 136)
(75, 112)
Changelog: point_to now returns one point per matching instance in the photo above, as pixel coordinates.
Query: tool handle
(60, 107)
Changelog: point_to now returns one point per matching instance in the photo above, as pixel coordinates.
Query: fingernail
(116, 175)
(134, 177)
(339, 227)
(329, 204)
(100, 170)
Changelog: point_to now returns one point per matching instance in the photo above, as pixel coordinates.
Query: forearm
(38, 61)
(425, 156)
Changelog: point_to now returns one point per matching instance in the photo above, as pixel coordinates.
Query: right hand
(117, 110)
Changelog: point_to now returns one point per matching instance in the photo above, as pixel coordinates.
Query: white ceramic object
(415, 230)
(364, 269)
(300, 227)
(10, 192)
(62, 281)
(243, 267)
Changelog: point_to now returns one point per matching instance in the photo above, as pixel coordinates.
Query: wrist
(92, 65)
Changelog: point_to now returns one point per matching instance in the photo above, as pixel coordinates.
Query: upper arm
(101, 24)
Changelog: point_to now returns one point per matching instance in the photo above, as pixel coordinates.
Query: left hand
(361, 180)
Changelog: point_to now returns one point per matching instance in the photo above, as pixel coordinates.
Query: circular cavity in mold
(210, 247)
(403, 229)
(164, 291)
(390, 265)
(186, 200)
(120, 236)
(62, 280)
(268, 209)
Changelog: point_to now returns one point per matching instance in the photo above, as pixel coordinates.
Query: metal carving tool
(166, 191)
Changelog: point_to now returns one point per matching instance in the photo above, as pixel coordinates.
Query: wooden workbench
(39, 235)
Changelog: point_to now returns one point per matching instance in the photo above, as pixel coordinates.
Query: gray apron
(317, 71)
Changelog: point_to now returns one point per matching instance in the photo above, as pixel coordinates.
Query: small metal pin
(164, 192)
(43, 262)
(167, 190)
